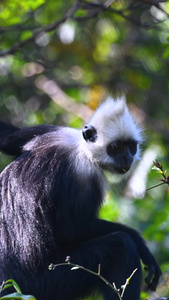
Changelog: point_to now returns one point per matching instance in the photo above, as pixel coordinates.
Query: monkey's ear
(89, 133)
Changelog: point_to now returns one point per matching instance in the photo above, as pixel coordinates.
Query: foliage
(59, 59)
(17, 295)
(164, 179)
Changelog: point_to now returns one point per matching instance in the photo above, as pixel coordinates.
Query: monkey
(50, 197)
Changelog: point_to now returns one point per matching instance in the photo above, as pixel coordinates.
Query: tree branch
(93, 10)
(20, 45)
(47, 28)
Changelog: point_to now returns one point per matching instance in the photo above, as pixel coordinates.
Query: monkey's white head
(112, 138)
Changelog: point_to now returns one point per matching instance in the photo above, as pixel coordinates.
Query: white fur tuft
(113, 121)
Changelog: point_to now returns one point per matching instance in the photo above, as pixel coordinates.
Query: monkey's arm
(96, 228)
(102, 227)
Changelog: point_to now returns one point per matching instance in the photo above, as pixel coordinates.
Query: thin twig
(75, 267)
(154, 186)
(112, 286)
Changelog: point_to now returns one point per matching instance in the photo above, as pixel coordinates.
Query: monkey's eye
(122, 146)
(115, 148)
(132, 147)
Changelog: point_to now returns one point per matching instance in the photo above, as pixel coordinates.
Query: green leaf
(15, 285)
(18, 296)
(7, 286)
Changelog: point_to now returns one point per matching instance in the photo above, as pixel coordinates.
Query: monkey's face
(122, 153)
(112, 138)
(116, 156)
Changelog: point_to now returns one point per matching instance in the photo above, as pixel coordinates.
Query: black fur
(12, 139)
(49, 211)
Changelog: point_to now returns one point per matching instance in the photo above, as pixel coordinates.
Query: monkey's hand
(148, 260)
(153, 269)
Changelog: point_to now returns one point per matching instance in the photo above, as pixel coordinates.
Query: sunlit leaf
(155, 168)
(12, 11)
(74, 268)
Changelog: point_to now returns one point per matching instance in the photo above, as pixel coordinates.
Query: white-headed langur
(50, 196)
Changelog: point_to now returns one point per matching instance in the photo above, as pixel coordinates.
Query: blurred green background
(71, 65)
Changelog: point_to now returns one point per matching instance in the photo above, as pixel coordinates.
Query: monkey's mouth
(121, 170)
(115, 169)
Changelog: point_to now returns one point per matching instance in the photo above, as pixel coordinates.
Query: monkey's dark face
(122, 153)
